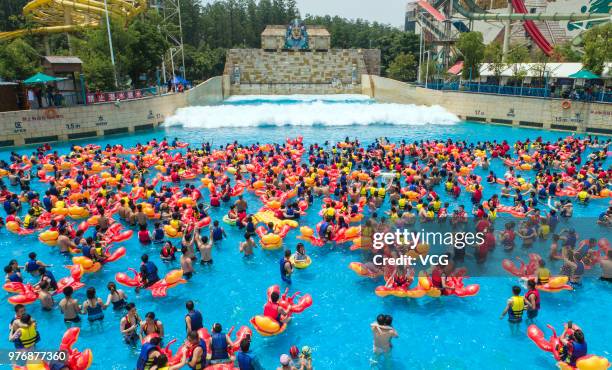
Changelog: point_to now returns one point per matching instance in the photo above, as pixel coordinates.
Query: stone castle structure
(298, 59)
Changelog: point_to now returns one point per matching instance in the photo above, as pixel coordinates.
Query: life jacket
(29, 336)
(323, 228)
(31, 265)
(200, 364)
(219, 346)
(536, 293)
(271, 311)
(196, 320)
(151, 271)
(245, 360)
(217, 234)
(166, 252)
(15, 278)
(37, 211)
(436, 278)
(158, 235)
(543, 275)
(144, 362)
(282, 262)
(517, 308)
(27, 220)
(578, 350)
(143, 236)
(401, 203)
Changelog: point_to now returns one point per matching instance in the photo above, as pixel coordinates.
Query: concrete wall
(209, 92)
(78, 122)
(507, 110)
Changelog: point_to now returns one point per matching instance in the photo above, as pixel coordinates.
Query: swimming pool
(447, 333)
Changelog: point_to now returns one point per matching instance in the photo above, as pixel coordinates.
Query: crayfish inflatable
(158, 289)
(554, 346)
(268, 326)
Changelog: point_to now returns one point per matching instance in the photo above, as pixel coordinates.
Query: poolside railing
(601, 97)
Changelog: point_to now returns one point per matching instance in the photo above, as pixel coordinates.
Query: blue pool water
(448, 333)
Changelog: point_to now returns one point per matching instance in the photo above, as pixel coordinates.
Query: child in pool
(300, 253)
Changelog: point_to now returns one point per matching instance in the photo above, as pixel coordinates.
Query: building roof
(554, 70)
(280, 30)
(456, 68)
(52, 59)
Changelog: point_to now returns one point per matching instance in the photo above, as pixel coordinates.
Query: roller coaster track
(57, 16)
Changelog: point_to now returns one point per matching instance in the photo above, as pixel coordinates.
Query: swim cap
(284, 359)
(306, 350)
(294, 351)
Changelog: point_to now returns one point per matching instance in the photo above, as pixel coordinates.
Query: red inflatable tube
(76, 360)
(203, 222)
(122, 236)
(124, 279)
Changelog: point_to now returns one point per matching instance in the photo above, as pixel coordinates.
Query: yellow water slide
(57, 16)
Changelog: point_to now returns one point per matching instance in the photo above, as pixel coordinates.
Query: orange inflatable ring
(566, 104)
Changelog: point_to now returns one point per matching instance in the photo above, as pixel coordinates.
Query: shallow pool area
(434, 333)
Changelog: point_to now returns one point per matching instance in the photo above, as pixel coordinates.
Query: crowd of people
(150, 190)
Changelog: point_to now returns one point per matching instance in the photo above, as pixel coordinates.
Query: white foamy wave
(310, 114)
(299, 97)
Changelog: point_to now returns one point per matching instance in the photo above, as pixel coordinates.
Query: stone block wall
(371, 58)
(258, 66)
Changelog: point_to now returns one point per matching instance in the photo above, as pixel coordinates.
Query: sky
(382, 11)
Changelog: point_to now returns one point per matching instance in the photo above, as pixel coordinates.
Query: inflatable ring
(271, 241)
(266, 326)
(171, 232)
(229, 221)
(566, 104)
(300, 264)
(48, 237)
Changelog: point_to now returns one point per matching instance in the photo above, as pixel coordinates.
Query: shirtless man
(383, 333)
(123, 211)
(247, 245)
(186, 263)
(606, 267)
(64, 243)
(140, 217)
(205, 247)
(69, 306)
(46, 299)
(241, 204)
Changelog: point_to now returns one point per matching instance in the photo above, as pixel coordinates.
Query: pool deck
(60, 124)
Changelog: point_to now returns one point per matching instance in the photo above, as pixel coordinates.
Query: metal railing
(600, 97)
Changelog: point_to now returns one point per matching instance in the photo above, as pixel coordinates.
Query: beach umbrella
(41, 78)
(584, 75)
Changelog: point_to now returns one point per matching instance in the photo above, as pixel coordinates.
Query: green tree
(493, 55)
(472, 48)
(597, 48)
(10, 14)
(145, 48)
(403, 68)
(18, 60)
(517, 55)
(564, 53)
(428, 71)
